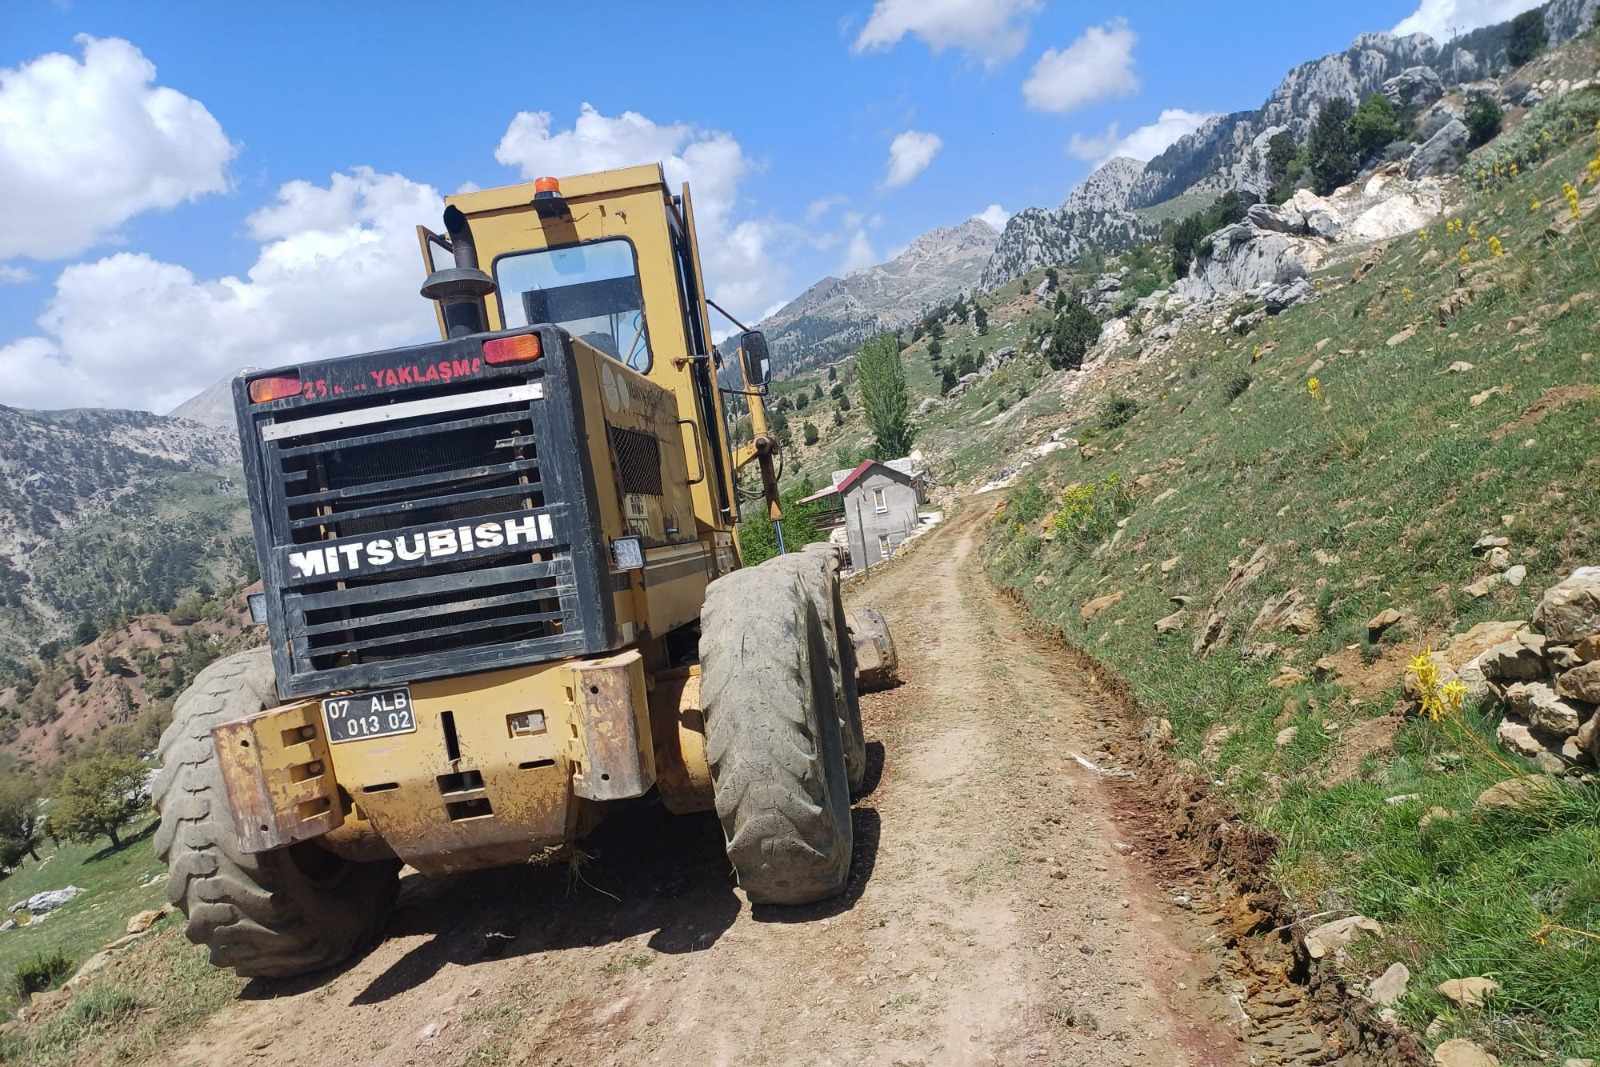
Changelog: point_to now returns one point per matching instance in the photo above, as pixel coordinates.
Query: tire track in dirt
(992, 917)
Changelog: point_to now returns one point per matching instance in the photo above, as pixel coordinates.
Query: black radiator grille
(638, 460)
(445, 469)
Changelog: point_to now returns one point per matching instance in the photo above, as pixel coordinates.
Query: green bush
(1375, 124)
(1119, 411)
(40, 972)
(1483, 119)
(1528, 37)
(1331, 149)
(1236, 387)
(1073, 332)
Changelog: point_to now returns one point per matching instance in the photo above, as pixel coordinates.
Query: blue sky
(152, 261)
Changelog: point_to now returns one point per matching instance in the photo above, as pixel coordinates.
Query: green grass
(1390, 476)
(95, 917)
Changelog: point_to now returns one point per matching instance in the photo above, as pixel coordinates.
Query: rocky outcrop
(1414, 87)
(1440, 154)
(1094, 215)
(1244, 258)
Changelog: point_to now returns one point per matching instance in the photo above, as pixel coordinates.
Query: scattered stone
(1482, 587)
(1169, 565)
(1433, 817)
(1402, 337)
(1459, 1052)
(1287, 679)
(47, 900)
(1325, 668)
(1518, 794)
(1489, 542)
(1215, 627)
(1290, 611)
(1172, 623)
(1516, 737)
(1498, 558)
(1581, 683)
(141, 922)
(1543, 709)
(1157, 733)
(1287, 735)
(1333, 937)
(1588, 649)
(1100, 604)
(1390, 986)
(1468, 992)
(1382, 621)
(1570, 609)
(1515, 576)
(1460, 366)
(1164, 495)
(1403, 798)
(1519, 660)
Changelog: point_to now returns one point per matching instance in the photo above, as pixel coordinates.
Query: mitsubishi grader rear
(502, 592)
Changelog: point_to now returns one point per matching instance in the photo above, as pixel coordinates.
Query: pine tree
(883, 396)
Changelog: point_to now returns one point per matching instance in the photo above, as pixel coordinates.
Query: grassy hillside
(1361, 444)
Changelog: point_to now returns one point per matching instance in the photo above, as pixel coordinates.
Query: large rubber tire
(842, 660)
(773, 735)
(268, 914)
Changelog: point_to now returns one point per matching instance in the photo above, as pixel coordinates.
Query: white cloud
(822, 205)
(991, 30)
(1096, 66)
(1143, 143)
(743, 274)
(337, 272)
(1443, 19)
(859, 254)
(995, 216)
(85, 146)
(13, 275)
(909, 155)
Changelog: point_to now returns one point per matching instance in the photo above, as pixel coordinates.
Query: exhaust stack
(460, 289)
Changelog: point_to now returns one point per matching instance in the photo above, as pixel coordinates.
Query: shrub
(1089, 511)
(1375, 124)
(1119, 411)
(1331, 150)
(809, 433)
(40, 972)
(1528, 37)
(1073, 332)
(1236, 387)
(1483, 119)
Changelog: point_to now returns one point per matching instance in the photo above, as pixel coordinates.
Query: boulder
(1440, 154)
(1516, 737)
(1318, 216)
(1414, 87)
(1331, 938)
(1518, 794)
(1289, 610)
(1537, 703)
(1570, 609)
(1390, 986)
(1280, 298)
(1100, 604)
(1172, 623)
(1581, 683)
(143, 920)
(1520, 659)
(1459, 1052)
(1214, 629)
(1381, 622)
(1437, 117)
(877, 662)
(47, 900)
(1468, 992)
(928, 404)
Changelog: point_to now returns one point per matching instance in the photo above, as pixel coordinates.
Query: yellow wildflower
(1472, 231)
(1407, 294)
(1534, 205)
(1495, 247)
(1465, 256)
(1513, 168)
(1314, 387)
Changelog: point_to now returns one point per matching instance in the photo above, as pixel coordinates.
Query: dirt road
(997, 912)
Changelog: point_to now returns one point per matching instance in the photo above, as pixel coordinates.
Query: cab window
(590, 290)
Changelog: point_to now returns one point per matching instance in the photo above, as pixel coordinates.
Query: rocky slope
(102, 511)
(1094, 215)
(836, 314)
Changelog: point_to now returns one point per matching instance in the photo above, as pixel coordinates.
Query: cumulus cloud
(909, 155)
(990, 30)
(14, 275)
(822, 205)
(1096, 66)
(1143, 143)
(85, 145)
(995, 216)
(1443, 19)
(336, 273)
(743, 273)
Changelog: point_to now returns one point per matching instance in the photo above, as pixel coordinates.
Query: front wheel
(265, 914)
(773, 733)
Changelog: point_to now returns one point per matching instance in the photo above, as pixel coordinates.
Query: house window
(879, 504)
(883, 545)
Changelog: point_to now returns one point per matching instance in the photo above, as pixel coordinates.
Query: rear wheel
(773, 731)
(265, 914)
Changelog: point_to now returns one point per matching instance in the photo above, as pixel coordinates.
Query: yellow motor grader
(502, 591)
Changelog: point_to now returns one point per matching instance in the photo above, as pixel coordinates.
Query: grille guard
(359, 591)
